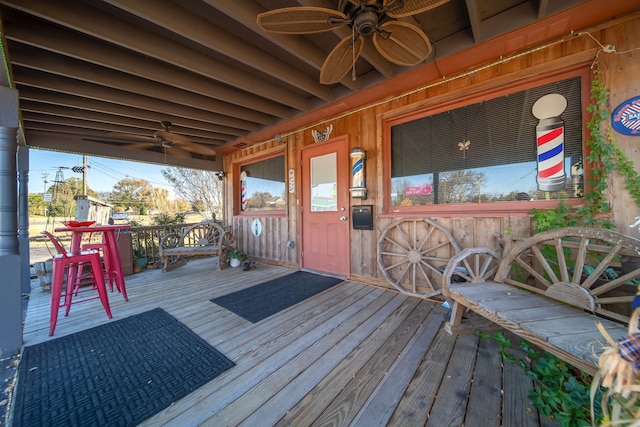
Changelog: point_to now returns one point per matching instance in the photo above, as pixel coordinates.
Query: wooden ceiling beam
(91, 91)
(146, 127)
(174, 18)
(86, 20)
(71, 52)
(82, 126)
(70, 144)
(39, 96)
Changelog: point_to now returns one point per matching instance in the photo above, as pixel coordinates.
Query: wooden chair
(73, 265)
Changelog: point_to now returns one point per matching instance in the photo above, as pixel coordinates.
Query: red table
(111, 241)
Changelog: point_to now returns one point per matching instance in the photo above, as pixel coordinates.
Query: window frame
(468, 96)
(237, 166)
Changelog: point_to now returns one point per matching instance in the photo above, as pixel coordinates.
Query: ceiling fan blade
(411, 7)
(301, 20)
(401, 43)
(173, 138)
(197, 148)
(177, 151)
(341, 59)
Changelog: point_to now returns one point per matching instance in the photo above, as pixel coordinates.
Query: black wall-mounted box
(362, 217)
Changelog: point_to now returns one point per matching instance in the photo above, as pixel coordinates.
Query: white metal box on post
(91, 209)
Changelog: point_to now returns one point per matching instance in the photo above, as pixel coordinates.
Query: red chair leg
(56, 293)
(96, 269)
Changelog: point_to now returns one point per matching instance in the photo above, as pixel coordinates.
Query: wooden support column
(10, 285)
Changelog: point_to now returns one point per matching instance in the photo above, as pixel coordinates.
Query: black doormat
(116, 374)
(261, 301)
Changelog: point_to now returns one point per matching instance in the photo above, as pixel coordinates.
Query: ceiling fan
(397, 41)
(165, 139)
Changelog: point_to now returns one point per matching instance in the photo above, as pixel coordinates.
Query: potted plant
(141, 257)
(236, 257)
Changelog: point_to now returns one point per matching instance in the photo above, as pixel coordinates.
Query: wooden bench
(198, 240)
(549, 289)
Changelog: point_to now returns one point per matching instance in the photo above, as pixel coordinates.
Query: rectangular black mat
(116, 374)
(261, 301)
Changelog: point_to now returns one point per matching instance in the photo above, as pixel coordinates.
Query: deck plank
(417, 402)
(384, 400)
(343, 369)
(455, 385)
(352, 397)
(351, 355)
(486, 390)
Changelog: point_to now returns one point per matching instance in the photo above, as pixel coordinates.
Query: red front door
(325, 207)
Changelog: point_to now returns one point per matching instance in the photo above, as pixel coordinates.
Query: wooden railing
(145, 240)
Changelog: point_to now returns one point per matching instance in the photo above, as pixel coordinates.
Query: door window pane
(324, 183)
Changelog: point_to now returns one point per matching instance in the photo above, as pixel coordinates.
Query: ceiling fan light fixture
(366, 22)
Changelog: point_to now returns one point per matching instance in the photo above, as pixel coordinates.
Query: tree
(37, 206)
(462, 186)
(132, 193)
(202, 189)
(160, 200)
(259, 200)
(62, 203)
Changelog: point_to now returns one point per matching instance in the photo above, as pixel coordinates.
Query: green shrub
(560, 391)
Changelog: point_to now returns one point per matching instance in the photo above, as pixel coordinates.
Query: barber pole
(357, 168)
(243, 193)
(550, 142)
(358, 188)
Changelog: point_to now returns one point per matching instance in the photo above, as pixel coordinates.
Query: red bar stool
(74, 264)
(110, 269)
(106, 262)
(99, 247)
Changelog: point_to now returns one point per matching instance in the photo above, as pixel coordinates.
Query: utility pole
(84, 174)
(45, 175)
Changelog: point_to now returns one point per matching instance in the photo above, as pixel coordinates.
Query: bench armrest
(171, 240)
(472, 265)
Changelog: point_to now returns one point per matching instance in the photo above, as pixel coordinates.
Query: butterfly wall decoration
(321, 136)
(464, 146)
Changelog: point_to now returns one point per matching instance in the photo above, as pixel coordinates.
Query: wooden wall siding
(271, 244)
(364, 128)
(620, 74)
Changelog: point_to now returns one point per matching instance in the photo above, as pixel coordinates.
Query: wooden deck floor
(352, 355)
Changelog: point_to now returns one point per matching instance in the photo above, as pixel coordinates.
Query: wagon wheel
(585, 267)
(171, 240)
(412, 255)
(473, 265)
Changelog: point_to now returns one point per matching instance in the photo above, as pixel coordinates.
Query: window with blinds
(490, 151)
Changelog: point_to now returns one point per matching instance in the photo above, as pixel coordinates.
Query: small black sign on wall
(362, 217)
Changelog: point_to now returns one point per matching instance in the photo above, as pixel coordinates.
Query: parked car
(119, 215)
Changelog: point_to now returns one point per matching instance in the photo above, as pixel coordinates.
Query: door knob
(343, 218)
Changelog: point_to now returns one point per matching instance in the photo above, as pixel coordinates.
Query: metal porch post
(23, 217)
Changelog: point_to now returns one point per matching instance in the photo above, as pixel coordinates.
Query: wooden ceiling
(99, 76)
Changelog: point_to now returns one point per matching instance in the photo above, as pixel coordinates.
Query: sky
(102, 173)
